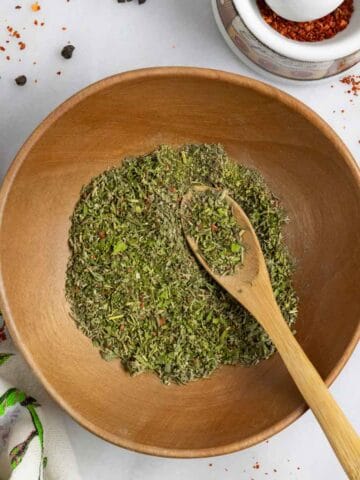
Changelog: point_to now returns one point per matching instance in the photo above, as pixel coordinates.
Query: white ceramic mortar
(267, 51)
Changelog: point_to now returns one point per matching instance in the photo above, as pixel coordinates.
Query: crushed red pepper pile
(354, 84)
(314, 31)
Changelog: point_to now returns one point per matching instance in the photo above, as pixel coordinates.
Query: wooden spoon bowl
(307, 167)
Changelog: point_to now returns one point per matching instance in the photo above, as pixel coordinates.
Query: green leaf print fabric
(33, 440)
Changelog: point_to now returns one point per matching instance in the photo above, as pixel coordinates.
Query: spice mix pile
(133, 284)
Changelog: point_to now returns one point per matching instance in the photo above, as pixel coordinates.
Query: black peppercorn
(21, 80)
(67, 51)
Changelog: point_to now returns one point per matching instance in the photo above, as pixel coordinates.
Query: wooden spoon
(250, 285)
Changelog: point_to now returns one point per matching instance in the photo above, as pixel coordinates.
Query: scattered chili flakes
(313, 31)
(354, 83)
(35, 7)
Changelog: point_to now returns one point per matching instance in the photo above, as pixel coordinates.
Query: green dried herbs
(209, 220)
(135, 288)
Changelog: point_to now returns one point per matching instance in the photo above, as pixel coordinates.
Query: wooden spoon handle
(340, 433)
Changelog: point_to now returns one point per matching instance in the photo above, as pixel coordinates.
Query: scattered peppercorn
(21, 80)
(313, 31)
(67, 51)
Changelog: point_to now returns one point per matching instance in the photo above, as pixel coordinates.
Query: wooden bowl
(306, 165)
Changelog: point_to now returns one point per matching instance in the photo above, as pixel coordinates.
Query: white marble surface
(110, 38)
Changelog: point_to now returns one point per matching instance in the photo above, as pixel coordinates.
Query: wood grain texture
(250, 285)
(307, 167)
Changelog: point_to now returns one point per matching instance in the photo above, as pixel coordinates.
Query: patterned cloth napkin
(33, 441)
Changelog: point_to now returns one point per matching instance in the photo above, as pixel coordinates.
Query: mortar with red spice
(296, 51)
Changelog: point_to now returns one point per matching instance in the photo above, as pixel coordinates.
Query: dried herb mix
(133, 285)
(209, 220)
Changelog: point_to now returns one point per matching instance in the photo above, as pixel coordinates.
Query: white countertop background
(111, 38)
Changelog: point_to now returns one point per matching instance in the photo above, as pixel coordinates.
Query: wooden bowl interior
(306, 166)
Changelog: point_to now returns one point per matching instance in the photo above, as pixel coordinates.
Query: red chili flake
(256, 466)
(2, 331)
(7, 57)
(58, 73)
(354, 83)
(9, 29)
(42, 24)
(22, 45)
(35, 7)
(36, 22)
(2, 49)
(161, 321)
(314, 31)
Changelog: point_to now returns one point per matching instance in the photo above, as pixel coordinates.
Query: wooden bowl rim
(134, 76)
